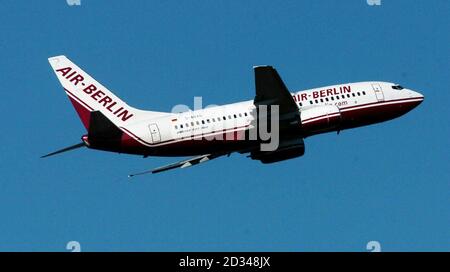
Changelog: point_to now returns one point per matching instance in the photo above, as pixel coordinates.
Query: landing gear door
(154, 131)
(334, 116)
(378, 92)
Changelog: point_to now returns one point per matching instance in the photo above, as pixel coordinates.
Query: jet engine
(287, 149)
(320, 119)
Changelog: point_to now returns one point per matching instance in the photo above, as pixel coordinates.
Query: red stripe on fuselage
(381, 103)
(191, 137)
(374, 104)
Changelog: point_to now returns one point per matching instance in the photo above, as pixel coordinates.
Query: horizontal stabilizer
(64, 150)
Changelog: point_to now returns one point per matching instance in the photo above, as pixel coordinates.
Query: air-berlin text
(322, 93)
(94, 93)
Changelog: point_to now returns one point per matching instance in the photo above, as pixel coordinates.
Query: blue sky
(388, 182)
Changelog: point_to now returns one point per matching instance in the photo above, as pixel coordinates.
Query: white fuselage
(325, 109)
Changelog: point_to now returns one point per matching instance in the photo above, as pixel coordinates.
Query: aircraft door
(378, 92)
(154, 132)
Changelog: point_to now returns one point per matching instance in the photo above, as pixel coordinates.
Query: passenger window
(337, 97)
(245, 113)
(364, 93)
(198, 123)
(317, 101)
(240, 114)
(181, 126)
(348, 95)
(321, 100)
(310, 102)
(332, 98)
(235, 116)
(359, 93)
(203, 122)
(207, 121)
(213, 119)
(353, 94)
(187, 125)
(326, 99)
(343, 96)
(224, 118)
(176, 127)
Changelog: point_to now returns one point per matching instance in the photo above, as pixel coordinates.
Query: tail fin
(87, 95)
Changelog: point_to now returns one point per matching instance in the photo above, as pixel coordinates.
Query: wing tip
(262, 66)
(56, 59)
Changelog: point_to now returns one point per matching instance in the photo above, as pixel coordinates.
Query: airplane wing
(270, 90)
(182, 164)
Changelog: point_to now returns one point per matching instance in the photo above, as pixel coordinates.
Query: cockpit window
(397, 87)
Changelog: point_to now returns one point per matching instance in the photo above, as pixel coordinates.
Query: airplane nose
(414, 94)
(418, 97)
(421, 98)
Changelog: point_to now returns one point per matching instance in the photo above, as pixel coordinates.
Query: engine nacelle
(288, 149)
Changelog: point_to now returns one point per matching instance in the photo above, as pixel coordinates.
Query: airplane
(206, 134)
